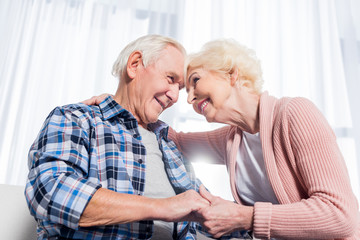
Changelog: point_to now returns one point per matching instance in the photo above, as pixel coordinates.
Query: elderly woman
(286, 171)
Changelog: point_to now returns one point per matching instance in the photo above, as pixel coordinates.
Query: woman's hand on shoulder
(96, 100)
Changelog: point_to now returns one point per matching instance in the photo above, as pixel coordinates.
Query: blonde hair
(225, 56)
(150, 46)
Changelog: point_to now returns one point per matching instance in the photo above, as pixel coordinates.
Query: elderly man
(109, 171)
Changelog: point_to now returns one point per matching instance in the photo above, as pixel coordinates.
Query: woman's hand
(96, 100)
(181, 207)
(223, 217)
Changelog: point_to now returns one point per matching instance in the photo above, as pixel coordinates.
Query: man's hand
(223, 217)
(181, 207)
(96, 100)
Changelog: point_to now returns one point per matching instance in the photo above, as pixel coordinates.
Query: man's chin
(154, 118)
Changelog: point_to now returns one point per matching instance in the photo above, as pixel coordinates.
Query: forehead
(171, 62)
(171, 59)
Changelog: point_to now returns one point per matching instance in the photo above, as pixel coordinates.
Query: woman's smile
(203, 104)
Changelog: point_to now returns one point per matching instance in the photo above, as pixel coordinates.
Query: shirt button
(140, 161)
(136, 135)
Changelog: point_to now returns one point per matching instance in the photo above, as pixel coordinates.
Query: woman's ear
(134, 61)
(234, 77)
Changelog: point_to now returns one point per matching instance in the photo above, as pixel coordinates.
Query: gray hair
(150, 46)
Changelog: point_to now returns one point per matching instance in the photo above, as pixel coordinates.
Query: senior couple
(112, 170)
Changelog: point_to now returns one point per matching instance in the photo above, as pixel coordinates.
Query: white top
(252, 182)
(157, 184)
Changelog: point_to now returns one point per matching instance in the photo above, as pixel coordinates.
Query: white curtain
(58, 52)
(307, 48)
(55, 52)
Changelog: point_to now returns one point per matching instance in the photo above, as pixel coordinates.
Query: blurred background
(56, 52)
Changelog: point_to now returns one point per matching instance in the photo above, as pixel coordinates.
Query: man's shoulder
(77, 111)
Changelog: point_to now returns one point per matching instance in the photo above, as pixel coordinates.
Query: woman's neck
(241, 110)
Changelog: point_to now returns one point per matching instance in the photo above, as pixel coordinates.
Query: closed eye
(171, 78)
(195, 81)
(192, 80)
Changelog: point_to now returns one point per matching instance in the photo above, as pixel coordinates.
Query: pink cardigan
(305, 167)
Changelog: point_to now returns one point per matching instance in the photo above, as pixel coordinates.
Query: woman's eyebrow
(188, 80)
(191, 76)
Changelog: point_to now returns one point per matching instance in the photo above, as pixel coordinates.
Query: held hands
(222, 216)
(217, 215)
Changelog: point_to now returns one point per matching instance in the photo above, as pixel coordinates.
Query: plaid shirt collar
(110, 109)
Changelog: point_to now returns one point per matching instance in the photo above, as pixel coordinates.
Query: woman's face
(207, 92)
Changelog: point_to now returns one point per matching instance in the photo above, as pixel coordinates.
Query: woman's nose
(191, 97)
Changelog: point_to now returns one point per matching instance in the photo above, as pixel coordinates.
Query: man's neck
(124, 99)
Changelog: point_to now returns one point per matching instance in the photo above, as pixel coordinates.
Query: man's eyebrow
(173, 74)
(176, 77)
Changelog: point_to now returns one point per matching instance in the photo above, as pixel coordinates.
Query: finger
(100, 98)
(200, 203)
(204, 202)
(89, 101)
(205, 194)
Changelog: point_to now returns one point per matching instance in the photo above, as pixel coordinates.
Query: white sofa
(16, 223)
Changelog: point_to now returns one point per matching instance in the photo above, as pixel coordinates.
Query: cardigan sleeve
(309, 146)
(210, 143)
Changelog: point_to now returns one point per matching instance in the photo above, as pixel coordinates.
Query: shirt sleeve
(58, 188)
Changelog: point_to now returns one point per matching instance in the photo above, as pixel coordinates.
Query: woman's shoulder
(287, 110)
(301, 113)
(296, 105)
(284, 101)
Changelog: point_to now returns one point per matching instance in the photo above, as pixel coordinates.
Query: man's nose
(173, 93)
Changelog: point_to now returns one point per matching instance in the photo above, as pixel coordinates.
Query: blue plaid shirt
(81, 148)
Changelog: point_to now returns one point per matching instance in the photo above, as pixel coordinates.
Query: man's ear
(234, 77)
(134, 61)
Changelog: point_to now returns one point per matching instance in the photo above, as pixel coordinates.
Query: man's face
(157, 86)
